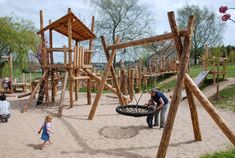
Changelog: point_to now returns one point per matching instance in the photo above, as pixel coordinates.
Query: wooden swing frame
(183, 52)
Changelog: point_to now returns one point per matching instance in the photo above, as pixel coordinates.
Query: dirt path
(109, 134)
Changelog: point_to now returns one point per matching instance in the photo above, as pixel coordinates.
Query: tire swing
(136, 110)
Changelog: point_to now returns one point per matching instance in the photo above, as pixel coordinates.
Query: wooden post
(122, 80)
(101, 86)
(131, 84)
(53, 88)
(11, 71)
(70, 60)
(89, 62)
(76, 69)
(209, 108)
(178, 88)
(206, 58)
(194, 115)
(65, 56)
(214, 71)
(115, 80)
(62, 95)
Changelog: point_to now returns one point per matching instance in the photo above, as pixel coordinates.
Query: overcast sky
(53, 9)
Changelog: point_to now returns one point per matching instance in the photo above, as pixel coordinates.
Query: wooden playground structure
(217, 66)
(77, 66)
(14, 85)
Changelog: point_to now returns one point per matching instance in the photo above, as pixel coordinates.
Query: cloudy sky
(53, 9)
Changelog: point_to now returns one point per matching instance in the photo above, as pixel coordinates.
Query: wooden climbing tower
(77, 61)
(76, 58)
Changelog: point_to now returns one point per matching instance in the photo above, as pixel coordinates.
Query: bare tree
(125, 18)
(208, 27)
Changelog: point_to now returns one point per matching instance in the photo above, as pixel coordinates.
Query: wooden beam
(209, 108)
(194, 115)
(175, 31)
(62, 95)
(101, 85)
(143, 41)
(99, 79)
(70, 59)
(177, 92)
(115, 80)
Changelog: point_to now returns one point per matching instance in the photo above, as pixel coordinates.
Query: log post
(70, 60)
(131, 81)
(214, 71)
(62, 95)
(76, 70)
(194, 115)
(209, 108)
(101, 85)
(122, 80)
(89, 62)
(178, 89)
(53, 86)
(11, 72)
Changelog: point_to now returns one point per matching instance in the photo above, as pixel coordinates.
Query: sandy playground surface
(109, 134)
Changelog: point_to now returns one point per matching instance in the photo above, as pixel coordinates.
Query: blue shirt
(158, 96)
(4, 107)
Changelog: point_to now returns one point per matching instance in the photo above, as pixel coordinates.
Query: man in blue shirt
(162, 103)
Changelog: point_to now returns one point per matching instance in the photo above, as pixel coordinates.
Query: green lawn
(194, 71)
(222, 154)
(226, 98)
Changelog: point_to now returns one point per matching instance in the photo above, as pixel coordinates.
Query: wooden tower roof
(79, 30)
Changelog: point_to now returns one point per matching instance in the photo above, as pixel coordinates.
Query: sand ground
(109, 134)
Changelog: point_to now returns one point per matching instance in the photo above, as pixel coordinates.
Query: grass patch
(231, 70)
(222, 154)
(226, 99)
(167, 86)
(195, 70)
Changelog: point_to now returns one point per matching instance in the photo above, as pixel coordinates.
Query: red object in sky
(223, 9)
(226, 17)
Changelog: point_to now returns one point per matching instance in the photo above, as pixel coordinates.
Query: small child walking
(46, 131)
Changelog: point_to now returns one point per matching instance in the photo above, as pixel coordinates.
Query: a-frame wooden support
(191, 87)
(183, 78)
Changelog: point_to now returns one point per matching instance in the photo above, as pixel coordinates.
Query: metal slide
(198, 80)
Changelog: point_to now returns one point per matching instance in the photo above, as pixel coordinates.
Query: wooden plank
(62, 95)
(99, 79)
(24, 95)
(209, 108)
(81, 78)
(75, 57)
(177, 92)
